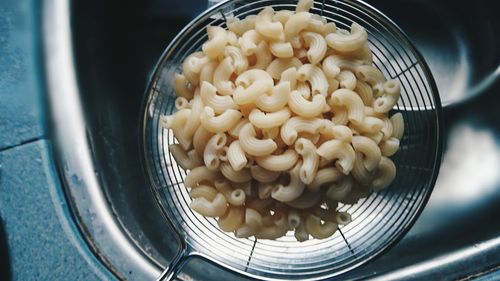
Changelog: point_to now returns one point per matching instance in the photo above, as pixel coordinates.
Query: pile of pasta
(280, 118)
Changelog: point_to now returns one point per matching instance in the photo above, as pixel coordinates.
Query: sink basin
(99, 57)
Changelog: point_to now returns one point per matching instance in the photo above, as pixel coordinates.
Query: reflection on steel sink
(97, 73)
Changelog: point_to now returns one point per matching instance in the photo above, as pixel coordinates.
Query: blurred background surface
(73, 199)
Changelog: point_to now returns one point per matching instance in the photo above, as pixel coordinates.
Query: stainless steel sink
(99, 57)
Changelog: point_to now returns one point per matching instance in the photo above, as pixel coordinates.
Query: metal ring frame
(378, 221)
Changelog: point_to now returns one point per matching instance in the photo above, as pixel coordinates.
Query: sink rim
(92, 213)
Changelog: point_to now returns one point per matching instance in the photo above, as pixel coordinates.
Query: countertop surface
(42, 240)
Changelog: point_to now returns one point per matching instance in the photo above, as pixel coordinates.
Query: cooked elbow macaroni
(279, 118)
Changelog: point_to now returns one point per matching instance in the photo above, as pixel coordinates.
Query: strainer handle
(175, 266)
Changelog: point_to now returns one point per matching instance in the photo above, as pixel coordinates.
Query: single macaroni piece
(304, 108)
(359, 171)
(277, 100)
(178, 124)
(215, 208)
(295, 125)
(198, 175)
(217, 40)
(347, 80)
(352, 102)
(282, 16)
(388, 100)
(240, 61)
(318, 229)
(187, 69)
(181, 87)
(329, 27)
(219, 124)
(281, 49)
(398, 125)
(296, 23)
(204, 191)
(232, 38)
(195, 64)
(370, 75)
(218, 103)
(236, 156)
(336, 149)
(347, 42)
(325, 176)
(317, 46)
(207, 72)
(389, 147)
(385, 174)
(232, 219)
(252, 224)
(338, 190)
(263, 56)
(369, 149)
(340, 132)
(292, 190)
(193, 121)
(249, 41)
(316, 24)
(212, 149)
(342, 218)
(270, 120)
(252, 84)
(386, 128)
(229, 173)
(239, 27)
(365, 92)
(370, 125)
(222, 76)
(279, 65)
(278, 163)
(253, 146)
(278, 229)
(333, 64)
(315, 76)
(265, 26)
(186, 159)
(307, 150)
(200, 139)
(304, 5)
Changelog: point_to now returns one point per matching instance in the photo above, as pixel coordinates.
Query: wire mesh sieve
(378, 221)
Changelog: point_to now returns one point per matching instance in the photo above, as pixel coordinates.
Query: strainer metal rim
(184, 253)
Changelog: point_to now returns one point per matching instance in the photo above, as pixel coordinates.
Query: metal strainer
(378, 221)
